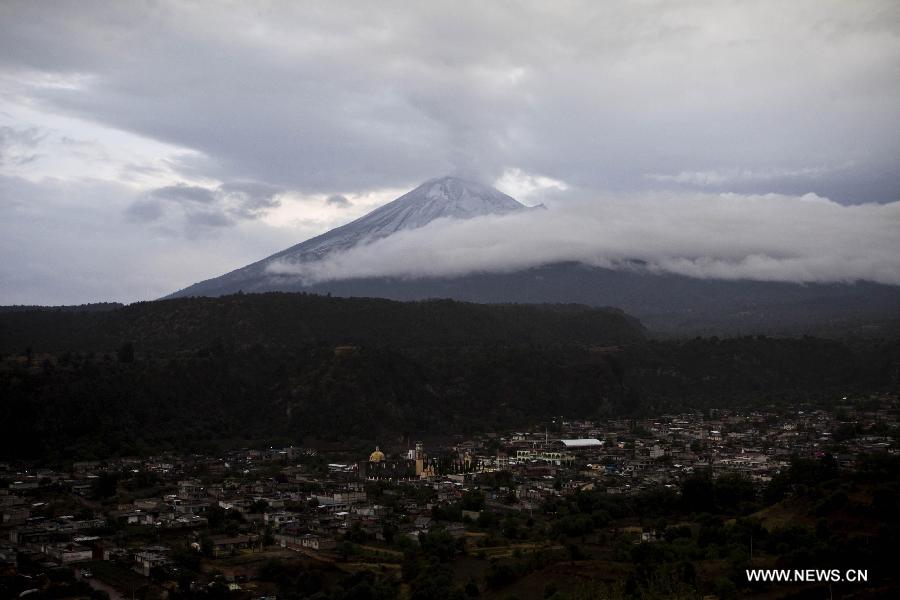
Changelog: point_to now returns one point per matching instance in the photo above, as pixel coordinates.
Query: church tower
(420, 458)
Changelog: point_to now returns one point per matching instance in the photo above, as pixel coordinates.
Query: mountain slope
(443, 197)
(664, 302)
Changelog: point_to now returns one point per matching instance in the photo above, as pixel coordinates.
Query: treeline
(94, 307)
(282, 320)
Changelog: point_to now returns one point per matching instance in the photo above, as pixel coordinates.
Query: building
(224, 545)
(68, 553)
(149, 559)
(580, 443)
(380, 467)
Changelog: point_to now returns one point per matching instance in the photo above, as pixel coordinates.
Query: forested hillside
(289, 320)
(196, 373)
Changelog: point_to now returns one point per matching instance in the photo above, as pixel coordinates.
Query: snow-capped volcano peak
(463, 197)
(442, 197)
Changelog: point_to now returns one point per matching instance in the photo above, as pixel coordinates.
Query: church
(414, 465)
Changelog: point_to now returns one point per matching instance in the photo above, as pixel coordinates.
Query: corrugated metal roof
(581, 443)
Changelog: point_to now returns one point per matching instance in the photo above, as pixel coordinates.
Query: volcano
(664, 302)
(439, 198)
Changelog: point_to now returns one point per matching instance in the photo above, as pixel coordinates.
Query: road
(99, 585)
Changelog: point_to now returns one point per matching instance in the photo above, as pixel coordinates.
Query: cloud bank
(349, 97)
(726, 236)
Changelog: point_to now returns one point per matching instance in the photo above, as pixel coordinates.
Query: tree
(388, 531)
(206, 546)
(471, 589)
(472, 500)
(697, 493)
(105, 485)
(271, 570)
(439, 544)
(125, 353)
(186, 558)
(732, 489)
(215, 516)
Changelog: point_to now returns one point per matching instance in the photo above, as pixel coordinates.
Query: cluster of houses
(249, 501)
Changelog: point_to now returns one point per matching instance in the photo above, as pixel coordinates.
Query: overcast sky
(145, 146)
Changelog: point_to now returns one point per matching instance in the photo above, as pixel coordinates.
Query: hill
(296, 320)
(665, 303)
(203, 373)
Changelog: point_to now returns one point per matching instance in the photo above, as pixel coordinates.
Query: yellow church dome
(376, 456)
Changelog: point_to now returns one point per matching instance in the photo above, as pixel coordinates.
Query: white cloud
(729, 236)
(524, 186)
(67, 148)
(722, 177)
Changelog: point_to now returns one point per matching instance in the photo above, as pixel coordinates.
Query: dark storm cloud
(248, 199)
(145, 210)
(351, 96)
(204, 218)
(182, 194)
(194, 209)
(338, 200)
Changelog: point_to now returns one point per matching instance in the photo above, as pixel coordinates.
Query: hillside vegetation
(197, 373)
(288, 320)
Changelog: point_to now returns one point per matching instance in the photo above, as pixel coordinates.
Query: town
(487, 510)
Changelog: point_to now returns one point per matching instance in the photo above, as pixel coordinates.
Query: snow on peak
(446, 197)
(442, 197)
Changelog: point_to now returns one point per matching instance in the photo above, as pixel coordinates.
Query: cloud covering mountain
(724, 236)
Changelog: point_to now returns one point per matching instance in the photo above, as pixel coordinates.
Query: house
(190, 489)
(68, 553)
(317, 542)
(278, 519)
(14, 515)
(191, 508)
(648, 535)
(116, 554)
(137, 517)
(148, 559)
(30, 483)
(224, 545)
